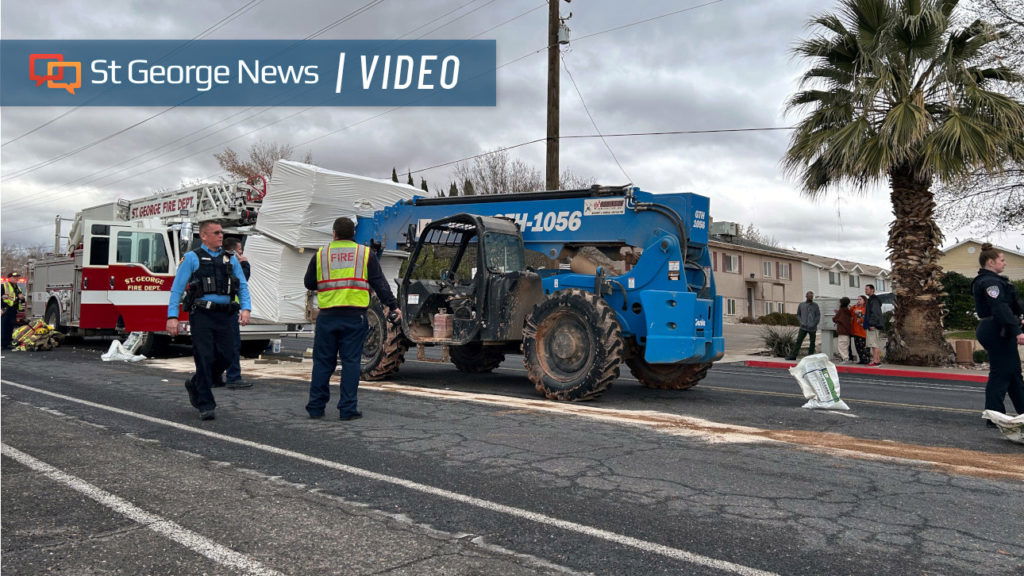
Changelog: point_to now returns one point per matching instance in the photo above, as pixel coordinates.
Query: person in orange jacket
(858, 311)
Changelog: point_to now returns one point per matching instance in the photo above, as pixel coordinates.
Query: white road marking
(643, 545)
(187, 538)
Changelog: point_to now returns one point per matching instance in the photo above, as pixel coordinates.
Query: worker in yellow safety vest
(342, 273)
(12, 302)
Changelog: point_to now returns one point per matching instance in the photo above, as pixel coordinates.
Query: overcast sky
(724, 65)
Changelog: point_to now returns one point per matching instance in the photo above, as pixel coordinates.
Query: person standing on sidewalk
(999, 308)
(857, 330)
(209, 279)
(873, 323)
(809, 316)
(233, 378)
(343, 273)
(843, 320)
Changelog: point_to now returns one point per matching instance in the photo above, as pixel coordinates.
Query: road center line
(187, 538)
(643, 545)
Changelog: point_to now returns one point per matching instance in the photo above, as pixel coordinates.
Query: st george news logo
(55, 68)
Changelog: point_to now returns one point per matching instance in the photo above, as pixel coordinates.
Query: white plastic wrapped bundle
(275, 287)
(819, 382)
(303, 201)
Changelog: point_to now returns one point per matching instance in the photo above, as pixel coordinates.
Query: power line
(372, 4)
(215, 26)
(618, 135)
(570, 137)
(37, 166)
(592, 121)
(276, 121)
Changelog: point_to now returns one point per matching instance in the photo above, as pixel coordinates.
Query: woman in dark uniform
(1000, 310)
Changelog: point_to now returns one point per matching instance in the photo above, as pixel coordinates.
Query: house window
(854, 281)
(730, 263)
(833, 278)
(730, 307)
(767, 307)
(780, 306)
(881, 285)
(784, 270)
(767, 267)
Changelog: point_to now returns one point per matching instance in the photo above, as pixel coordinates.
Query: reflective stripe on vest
(341, 275)
(9, 295)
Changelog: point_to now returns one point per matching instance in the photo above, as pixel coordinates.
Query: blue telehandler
(578, 281)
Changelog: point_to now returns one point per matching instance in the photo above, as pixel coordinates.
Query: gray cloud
(722, 66)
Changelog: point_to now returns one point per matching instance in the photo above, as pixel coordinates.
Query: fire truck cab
(115, 275)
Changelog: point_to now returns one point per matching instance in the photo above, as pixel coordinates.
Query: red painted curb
(895, 372)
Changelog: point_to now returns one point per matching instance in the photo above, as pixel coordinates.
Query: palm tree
(896, 92)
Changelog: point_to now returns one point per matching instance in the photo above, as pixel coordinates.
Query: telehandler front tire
(572, 346)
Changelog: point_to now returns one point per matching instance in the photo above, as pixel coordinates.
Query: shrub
(748, 320)
(980, 356)
(779, 341)
(958, 301)
(779, 319)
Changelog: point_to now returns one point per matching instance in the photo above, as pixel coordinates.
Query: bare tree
(497, 173)
(15, 257)
(754, 234)
(260, 162)
(983, 202)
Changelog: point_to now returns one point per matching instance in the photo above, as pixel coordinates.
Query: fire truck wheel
(154, 345)
(253, 348)
(572, 346)
(667, 376)
(475, 358)
(385, 346)
(52, 316)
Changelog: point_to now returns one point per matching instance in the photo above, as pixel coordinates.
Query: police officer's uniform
(342, 273)
(999, 308)
(209, 281)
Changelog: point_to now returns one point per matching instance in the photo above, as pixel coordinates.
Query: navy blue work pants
(235, 368)
(213, 339)
(337, 334)
(7, 327)
(1004, 373)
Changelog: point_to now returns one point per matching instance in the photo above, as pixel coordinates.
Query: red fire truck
(115, 275)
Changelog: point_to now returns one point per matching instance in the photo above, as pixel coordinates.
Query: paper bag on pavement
(819, 382)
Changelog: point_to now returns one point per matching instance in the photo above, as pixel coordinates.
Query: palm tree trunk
(914, 239)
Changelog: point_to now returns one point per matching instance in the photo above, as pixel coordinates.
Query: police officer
(209, 279)
(999, 309)
(12, 300)
(342, 273)
(233, 378)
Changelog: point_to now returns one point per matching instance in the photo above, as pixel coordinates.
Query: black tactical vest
(214, 276)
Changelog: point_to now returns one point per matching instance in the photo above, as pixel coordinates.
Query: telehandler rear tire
(475, 358)
(667, 376)
(385, 346)
(572, 346)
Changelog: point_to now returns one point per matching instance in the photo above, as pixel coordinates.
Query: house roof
(979, 243)
(737, 242)
(828, 262)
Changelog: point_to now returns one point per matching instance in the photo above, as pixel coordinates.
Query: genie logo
(56, 64)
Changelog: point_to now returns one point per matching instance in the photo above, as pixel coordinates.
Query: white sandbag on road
(819, 382)
(119, 353)
(1012, 427)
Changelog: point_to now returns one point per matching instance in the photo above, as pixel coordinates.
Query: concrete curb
(880, 371)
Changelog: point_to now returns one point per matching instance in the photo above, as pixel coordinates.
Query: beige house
(963, 259)
(754, 279)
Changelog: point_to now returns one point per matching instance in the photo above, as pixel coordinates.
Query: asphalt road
(107, 470)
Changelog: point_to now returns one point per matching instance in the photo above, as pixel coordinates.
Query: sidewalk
(750, 358)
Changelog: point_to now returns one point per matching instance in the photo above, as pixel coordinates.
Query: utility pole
(551, 170)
